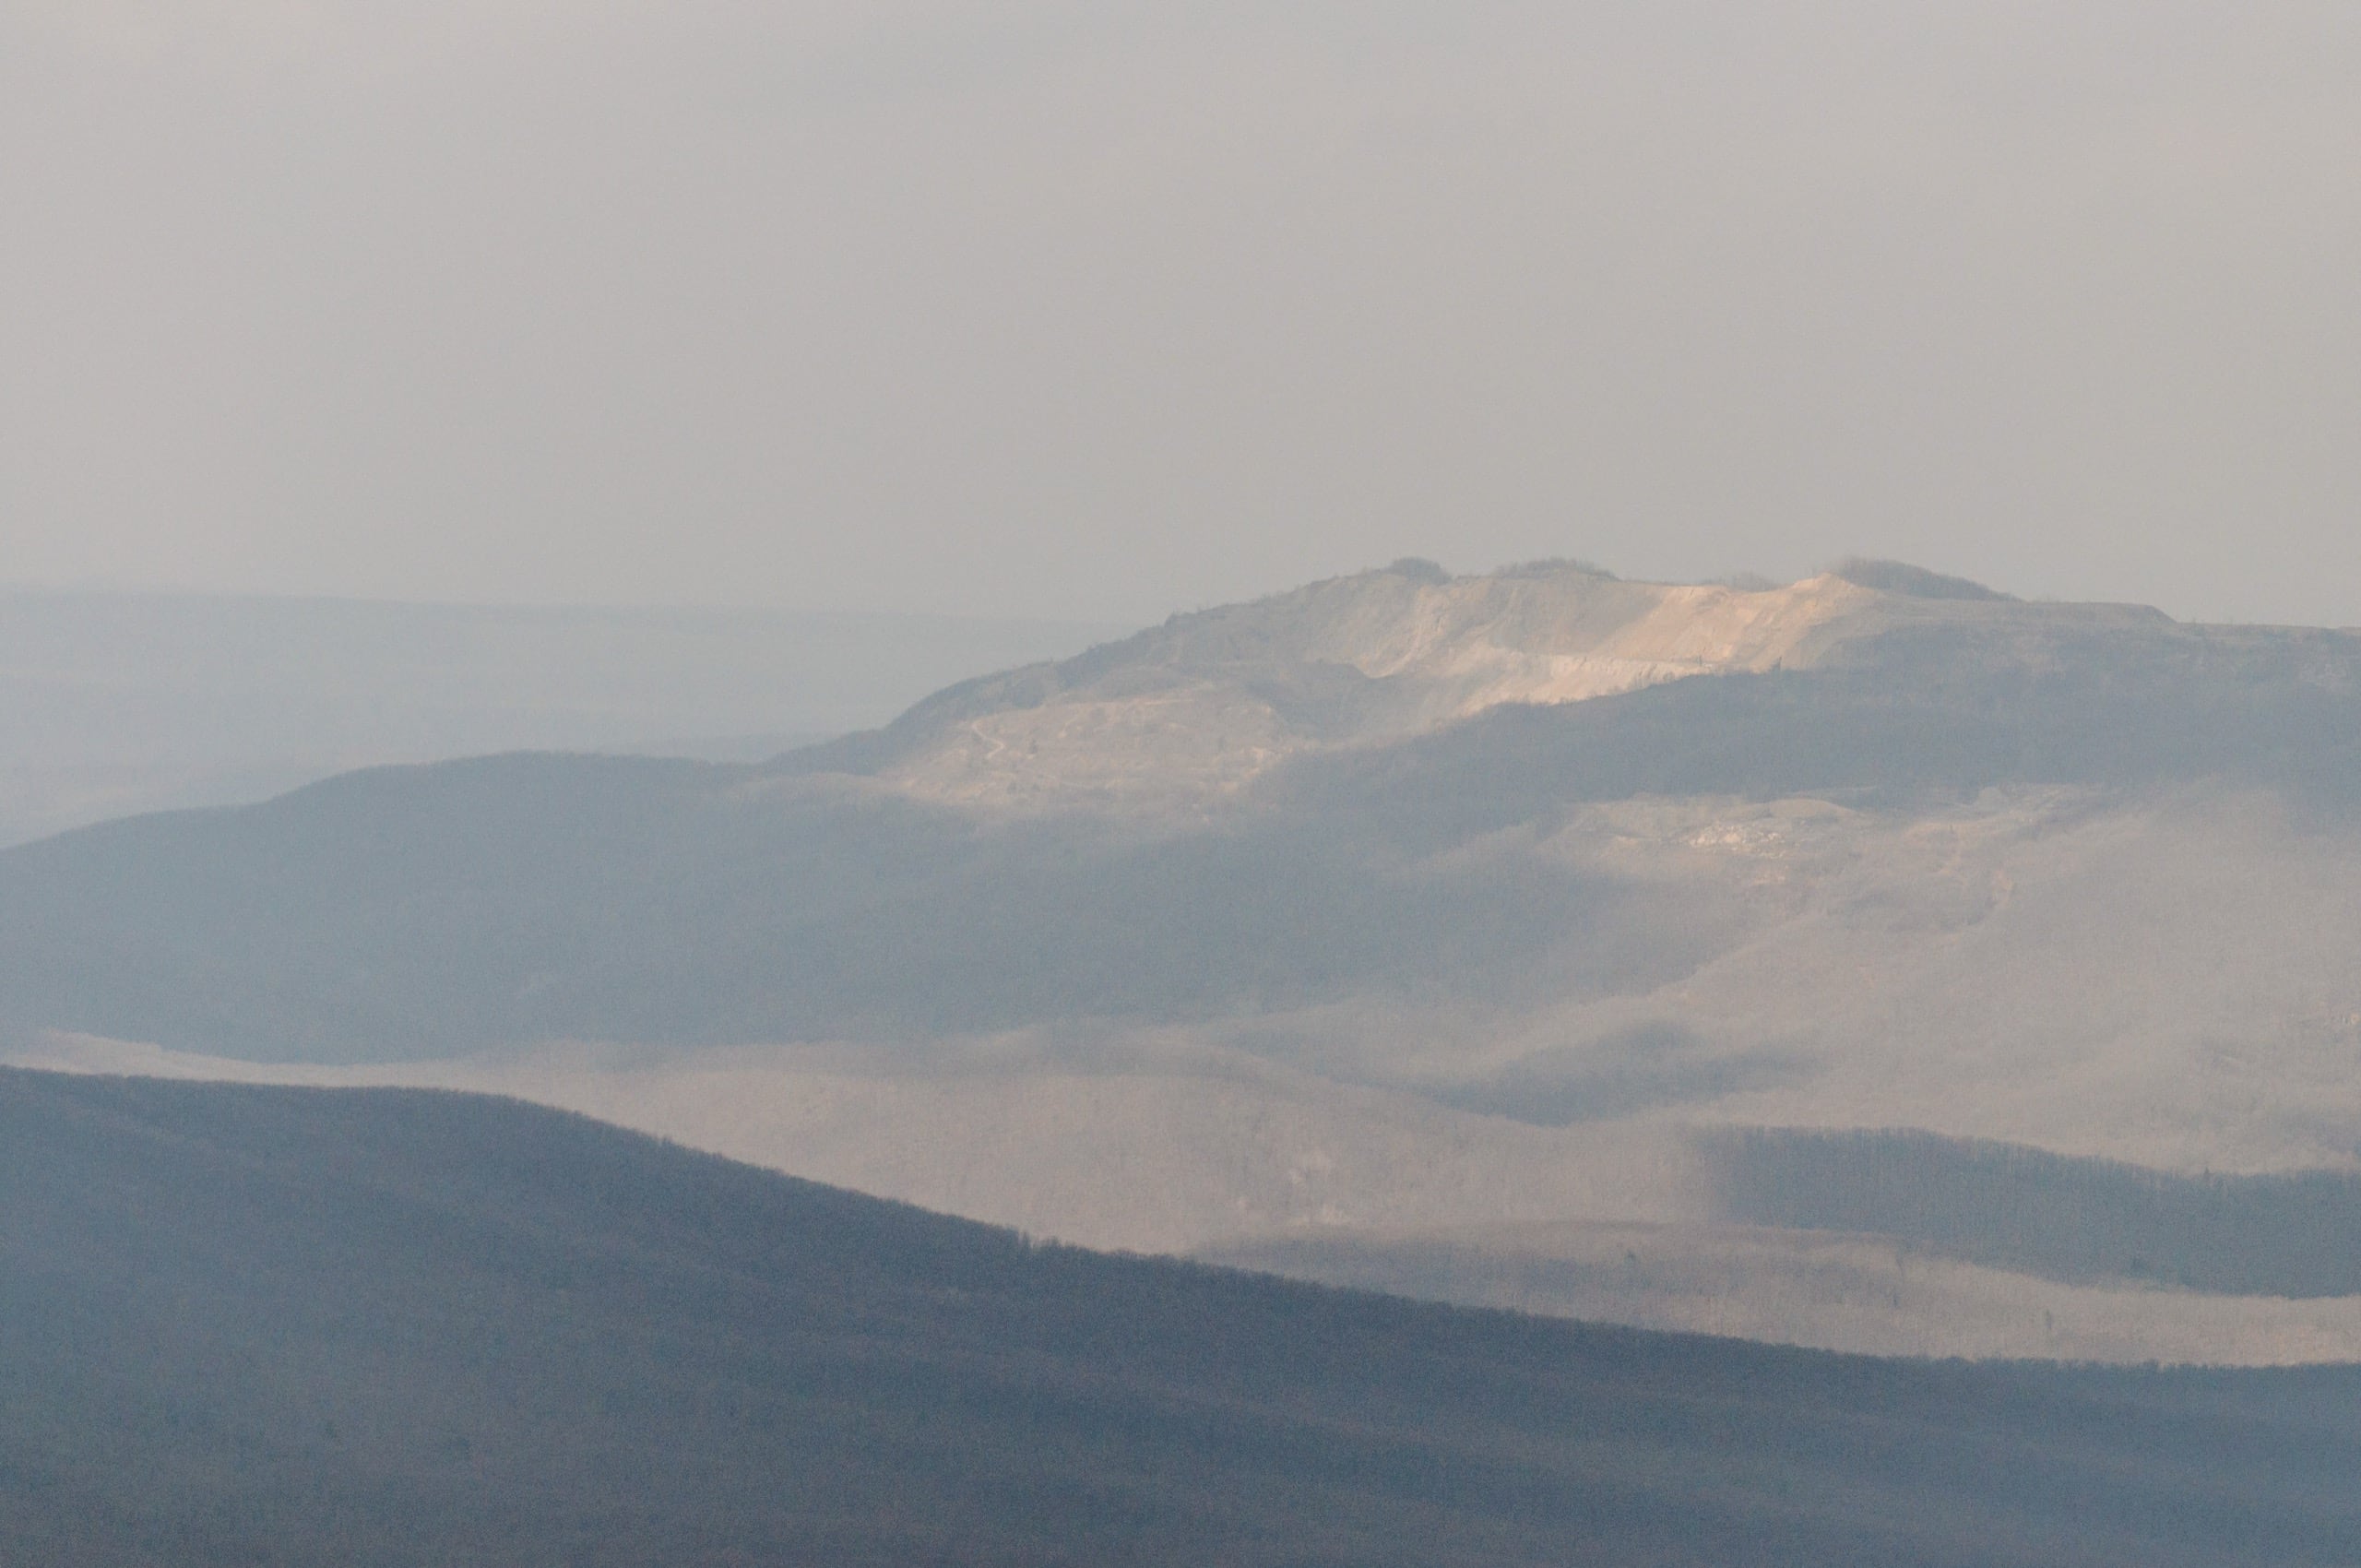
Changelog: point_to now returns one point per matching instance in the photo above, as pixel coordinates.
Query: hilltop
(1207, 703)
(1195, 710)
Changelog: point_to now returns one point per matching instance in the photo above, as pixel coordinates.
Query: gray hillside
(266, 1326)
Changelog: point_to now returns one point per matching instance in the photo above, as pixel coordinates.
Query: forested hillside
(2278, 1235)
(265, 1325)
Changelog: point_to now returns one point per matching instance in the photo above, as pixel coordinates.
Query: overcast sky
(1105, 309)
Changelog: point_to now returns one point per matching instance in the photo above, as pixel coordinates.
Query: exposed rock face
(1193, 709)
(1183, 717)
(1557, 636)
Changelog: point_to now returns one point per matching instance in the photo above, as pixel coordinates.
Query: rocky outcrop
(1190, 712)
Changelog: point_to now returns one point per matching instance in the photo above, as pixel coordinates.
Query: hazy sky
(1103, 309)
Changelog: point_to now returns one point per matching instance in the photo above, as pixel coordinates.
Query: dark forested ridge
(414, 912)
(256, 1326)
(2034, 1212)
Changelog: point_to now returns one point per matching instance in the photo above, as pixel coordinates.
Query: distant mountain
(263, 1326)
(1193, 711)
(114, 703)
(1196, 708)
(1399, 913)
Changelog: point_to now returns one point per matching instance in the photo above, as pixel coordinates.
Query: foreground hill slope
(255, 1326)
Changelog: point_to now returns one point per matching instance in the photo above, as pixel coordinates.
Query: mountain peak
(1196, 708)
(1914, 582)
(1192, 712)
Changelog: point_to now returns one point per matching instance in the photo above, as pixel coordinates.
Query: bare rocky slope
(1425, 931)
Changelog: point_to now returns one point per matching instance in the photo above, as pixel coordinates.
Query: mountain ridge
(1188, 715)
(1302, 952)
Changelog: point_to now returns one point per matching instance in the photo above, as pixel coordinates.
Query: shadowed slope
(268, 1325)
(425, 912)
(2294, 1235)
